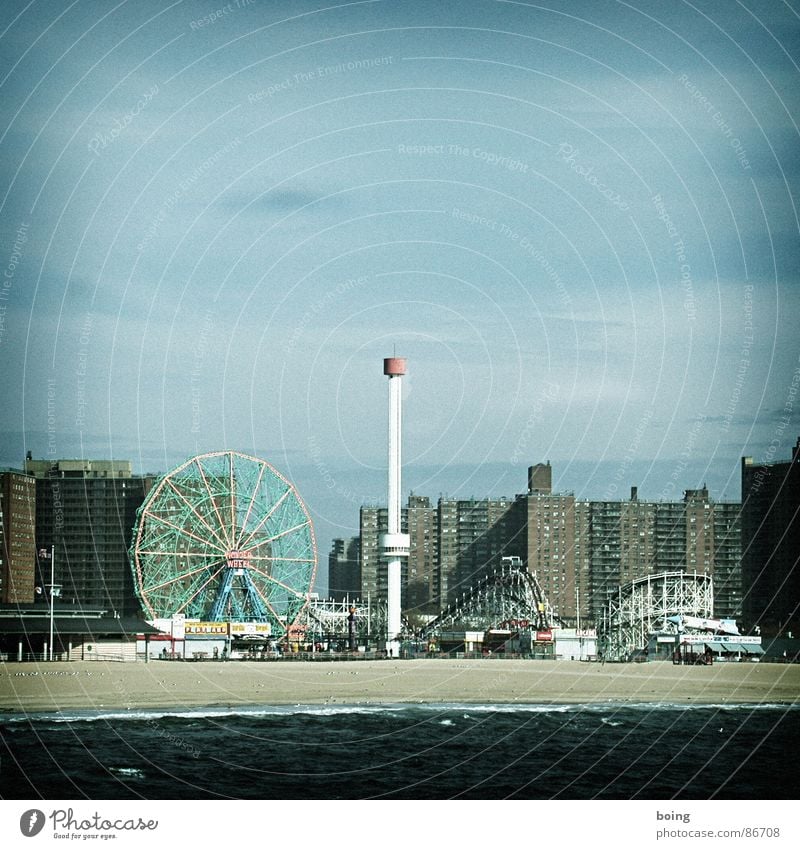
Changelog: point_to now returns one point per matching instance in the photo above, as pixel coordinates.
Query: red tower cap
(394, 366)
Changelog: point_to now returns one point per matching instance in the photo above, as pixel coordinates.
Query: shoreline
(98, 685)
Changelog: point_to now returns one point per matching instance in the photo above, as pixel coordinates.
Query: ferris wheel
(224, 536)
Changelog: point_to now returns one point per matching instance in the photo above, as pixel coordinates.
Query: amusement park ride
(224, 540)
(224, 537)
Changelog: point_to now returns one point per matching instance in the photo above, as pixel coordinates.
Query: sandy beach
(97, 685)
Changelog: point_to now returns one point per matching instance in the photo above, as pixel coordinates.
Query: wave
(126, 772)
(388, 710)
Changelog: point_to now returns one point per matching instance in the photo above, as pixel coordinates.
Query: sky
(577, 220)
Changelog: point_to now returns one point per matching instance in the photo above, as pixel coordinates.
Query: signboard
(206, 629)
(224, 629)
(239, 629)
(179, 626)
(694, 639)
(544, 636)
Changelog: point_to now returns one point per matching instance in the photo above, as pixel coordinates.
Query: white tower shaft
(394, 543)
(395, 447)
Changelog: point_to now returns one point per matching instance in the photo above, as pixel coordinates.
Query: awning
(715, 647)
(752, 648)
(67, 626)
(737, 647)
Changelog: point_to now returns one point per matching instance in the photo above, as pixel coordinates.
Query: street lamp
(54, 590)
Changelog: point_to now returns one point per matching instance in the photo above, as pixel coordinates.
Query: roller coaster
(509, 594)
(662, 603)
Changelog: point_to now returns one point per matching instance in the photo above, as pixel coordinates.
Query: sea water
(592, 751)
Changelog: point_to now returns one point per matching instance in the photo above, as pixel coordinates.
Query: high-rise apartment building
(372, 523)
(423, 577)
(771, 544)
(86, 509)
(474, 534)
(452, 545)
(727, 568)
(549, 533)
(632, 539)
(344, 575)
(17, 537)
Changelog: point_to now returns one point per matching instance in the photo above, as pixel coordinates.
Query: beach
(34, 687)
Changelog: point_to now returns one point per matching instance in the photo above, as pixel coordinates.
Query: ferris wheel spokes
(193, 594)
(213, 501)
(181, 577)
(278, 536)
(196, 514)
(272, 579)
(182, 531)
(240, 545)
(256, 490)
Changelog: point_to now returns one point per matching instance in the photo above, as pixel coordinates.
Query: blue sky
(577, 221)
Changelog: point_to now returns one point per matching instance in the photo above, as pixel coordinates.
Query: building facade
(86, 511)
(344, 573)
(581, 551)
(628, 540)
(452, 544)
(17, 537)
(771, 545)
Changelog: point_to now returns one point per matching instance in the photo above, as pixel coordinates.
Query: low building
(575, 643)
(79, 633)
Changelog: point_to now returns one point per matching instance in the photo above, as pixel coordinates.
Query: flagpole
(52, 584)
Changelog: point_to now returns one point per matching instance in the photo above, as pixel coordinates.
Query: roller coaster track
(510, 594)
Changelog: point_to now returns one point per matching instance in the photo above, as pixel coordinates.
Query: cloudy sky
(576, 219)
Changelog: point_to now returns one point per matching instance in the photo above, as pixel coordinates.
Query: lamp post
(52, 589)
(52, 592)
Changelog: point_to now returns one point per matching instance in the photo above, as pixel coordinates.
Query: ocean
(607, 751)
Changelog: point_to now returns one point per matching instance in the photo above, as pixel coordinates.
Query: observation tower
(394, 544)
